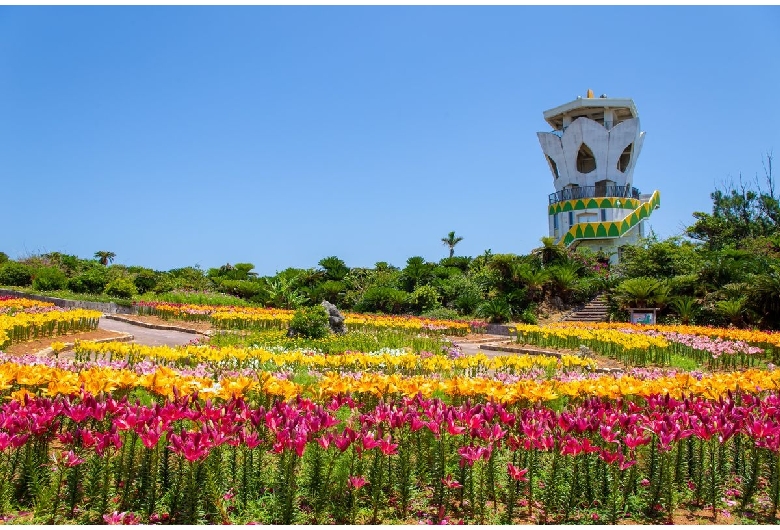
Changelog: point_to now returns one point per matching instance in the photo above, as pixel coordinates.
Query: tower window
(625, 158)
(586, 161)
(571, 218)
(603, 215)
(553, 166)
(555, 222)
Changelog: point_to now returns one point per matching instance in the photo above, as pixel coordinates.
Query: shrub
(16, 274)
(49, 279)
(424, 298)
(310, 322)
(145, 280)
(441, 313)
(528, 316)
(3, 258)
(382, 299)
(121, 288)
(245, 289)
(496, 311)
(92, 281)
(468, 301)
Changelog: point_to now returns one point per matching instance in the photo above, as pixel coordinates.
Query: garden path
(147, 336)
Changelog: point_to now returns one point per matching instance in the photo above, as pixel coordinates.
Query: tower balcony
(588, 192)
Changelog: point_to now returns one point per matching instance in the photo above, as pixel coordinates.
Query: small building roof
(592, 108)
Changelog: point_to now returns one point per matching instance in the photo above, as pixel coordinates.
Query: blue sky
(176, 136)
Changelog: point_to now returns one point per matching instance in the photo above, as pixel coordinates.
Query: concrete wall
(606, 145)
(104, 307)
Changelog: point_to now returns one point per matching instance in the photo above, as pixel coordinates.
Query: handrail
(587, 192)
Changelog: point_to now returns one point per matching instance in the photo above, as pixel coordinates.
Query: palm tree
(451, 241)
(549, 251)
(105, 257)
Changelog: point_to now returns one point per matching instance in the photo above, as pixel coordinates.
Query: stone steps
(594, 311)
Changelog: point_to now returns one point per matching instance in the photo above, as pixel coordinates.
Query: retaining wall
(103, 307)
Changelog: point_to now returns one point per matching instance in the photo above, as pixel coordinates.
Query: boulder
(335, 318)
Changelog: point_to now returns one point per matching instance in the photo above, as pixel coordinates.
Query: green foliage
(424, 298)
(191, 278)
(3, 258)
(332, 291)
(450, 241)
(145, 280)
(104, 257)
(686, 307)
(496, 311)
(441, 313)
(15, 274)
(310, 322)
(121, 288)
(92, 280)
(383, 300)
(740, 213)
(417, 272)
(458, 262)
(333, 268)
(282, 292)
(731, 310)
(48, 279)
(564, 280)
(199, 298)
(642, 292)
(659, 259)
(239, 271)
(528, 316)
(245, 289)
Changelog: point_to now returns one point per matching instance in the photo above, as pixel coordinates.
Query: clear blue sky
(176, 136)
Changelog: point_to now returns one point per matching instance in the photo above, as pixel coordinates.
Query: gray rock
(335, 318)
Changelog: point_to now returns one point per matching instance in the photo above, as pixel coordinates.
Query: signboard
(643, 316)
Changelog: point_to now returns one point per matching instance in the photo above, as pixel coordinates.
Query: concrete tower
(592, 152)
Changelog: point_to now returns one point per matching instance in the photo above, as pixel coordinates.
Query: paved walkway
(146, 336)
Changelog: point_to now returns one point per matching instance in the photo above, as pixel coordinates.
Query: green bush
(121, 288)
(310, 322)
(49, 279)
(424, 298)
(382, 299)
(91, 281)
(496, 311)
(3, 258)
(245, 289)
(441, 313)
(145, 280)
(16, 274)
(528, 316)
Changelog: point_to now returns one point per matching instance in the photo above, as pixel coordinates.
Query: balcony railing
(587, 192)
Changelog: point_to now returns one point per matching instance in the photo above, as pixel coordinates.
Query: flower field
(256, 427)
(22, 319)
(262, 318)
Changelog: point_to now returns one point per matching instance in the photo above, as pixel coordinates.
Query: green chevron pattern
(609, 229)
(588, 204)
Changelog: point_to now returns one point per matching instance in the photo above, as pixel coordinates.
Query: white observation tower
(592, 152)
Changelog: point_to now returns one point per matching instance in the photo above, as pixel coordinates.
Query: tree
(334, 268)
(550, 251)
(105, 257)
(451, 241)
(740, 213)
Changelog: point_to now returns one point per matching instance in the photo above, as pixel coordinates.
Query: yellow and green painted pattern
(595, 202)
(612, 229)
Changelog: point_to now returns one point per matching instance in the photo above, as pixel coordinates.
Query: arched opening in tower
(586, 161)
(625, 158)
(553, 166)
